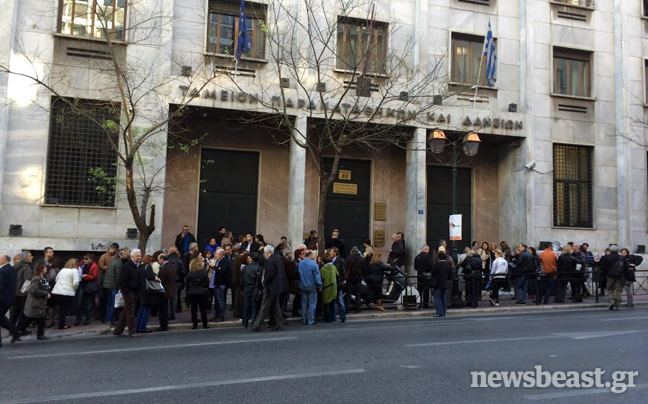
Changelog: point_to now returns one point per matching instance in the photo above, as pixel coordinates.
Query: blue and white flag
(243, 45)
(491, 57)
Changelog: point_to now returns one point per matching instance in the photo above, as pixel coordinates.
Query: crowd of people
(124, 288)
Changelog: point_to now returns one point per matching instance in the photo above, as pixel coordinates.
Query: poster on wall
(455, 227)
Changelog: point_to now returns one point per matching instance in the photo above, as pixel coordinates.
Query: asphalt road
(392, 361)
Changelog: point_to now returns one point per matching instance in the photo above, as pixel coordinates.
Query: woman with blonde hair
(197, 283)
(67, 283)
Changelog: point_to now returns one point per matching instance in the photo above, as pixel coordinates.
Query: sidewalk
(507, 306)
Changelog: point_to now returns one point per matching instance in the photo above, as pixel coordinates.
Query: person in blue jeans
(147, 299)
(441, 275)
(523, 268)
(340, 265)
(250, 277)
(310, 282)
(220, 279)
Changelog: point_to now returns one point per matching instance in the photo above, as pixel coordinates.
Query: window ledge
(356, 73)
(558, 3)
(573, 97)
(89, 39)
(50, 205)
(244, 59)
(573, 228)
(457, 84)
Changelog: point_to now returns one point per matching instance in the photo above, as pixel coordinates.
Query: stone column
(415, 199)
(297, 187)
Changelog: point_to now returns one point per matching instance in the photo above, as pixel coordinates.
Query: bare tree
(135, 88)
(339, 72)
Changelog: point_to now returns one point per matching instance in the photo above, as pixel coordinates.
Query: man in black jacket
(129, 283)
(340, 264)
(355, 266)
(181, 273)
(523, 269)
(249, 244)
(221, 279)
(423, 267)
(7, 296)
(274, 283)
(397, 253)
(617, 268)
(630, 277)
(336, 241)
(184, 239)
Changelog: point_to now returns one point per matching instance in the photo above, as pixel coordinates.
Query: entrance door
(347, 202)
(228, 192)
(439, 205)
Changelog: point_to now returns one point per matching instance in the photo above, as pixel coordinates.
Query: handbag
(154, 286)
(579, 267)
(119, 300)
(25, 286)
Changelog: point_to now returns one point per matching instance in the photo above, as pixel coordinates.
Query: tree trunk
(326, 179)
(143, 229)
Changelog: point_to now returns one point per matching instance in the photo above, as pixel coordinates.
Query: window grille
(572, 186)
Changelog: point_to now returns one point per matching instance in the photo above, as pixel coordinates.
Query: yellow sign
(380, 211)
(345, 175)
(379, 238)
(348, 189)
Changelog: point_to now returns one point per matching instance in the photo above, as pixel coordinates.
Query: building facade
(562, 131)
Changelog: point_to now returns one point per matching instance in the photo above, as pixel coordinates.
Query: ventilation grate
(572, 16)
(572, 108)
(87, 53)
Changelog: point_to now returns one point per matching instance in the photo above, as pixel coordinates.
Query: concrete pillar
(297, 187)
(415, 199)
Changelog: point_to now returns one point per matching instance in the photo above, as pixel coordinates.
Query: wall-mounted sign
(347, 189)
(380, 211)
(455, 227)
(345, 175)
(378, 238)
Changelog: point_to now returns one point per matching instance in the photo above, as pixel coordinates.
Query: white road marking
(151, 348)
(481, 340)
(580, 392)
(595, 334)
(112, 393)
(624, 318)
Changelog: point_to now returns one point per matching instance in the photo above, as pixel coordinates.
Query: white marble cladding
(527, 32)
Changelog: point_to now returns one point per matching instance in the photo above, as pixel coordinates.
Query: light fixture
(512, 108)
(437, 141)
(471, 144)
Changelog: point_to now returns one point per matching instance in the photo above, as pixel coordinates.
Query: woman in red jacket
(88, 288)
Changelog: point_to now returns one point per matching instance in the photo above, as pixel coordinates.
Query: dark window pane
(573, 186)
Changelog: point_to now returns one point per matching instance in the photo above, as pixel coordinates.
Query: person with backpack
(630, 277)
(472, 273)
(616, 277)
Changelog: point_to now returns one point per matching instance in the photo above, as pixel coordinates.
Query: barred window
(222, 34)
(572, 186)
(358, 44)
(93, 18)
(81, 163)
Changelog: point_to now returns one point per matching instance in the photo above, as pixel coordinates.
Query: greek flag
(243, 45)
(491, 57)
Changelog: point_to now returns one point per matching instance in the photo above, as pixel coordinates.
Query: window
(572, 186)
(467, 54)
(358, 43)
(646, 81)
(572, 72)
(582, 3)
(645, 8)
(222, 32)
(78, 144)
(93, 18)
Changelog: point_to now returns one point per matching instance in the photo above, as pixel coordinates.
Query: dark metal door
(439, 205)
(229, 183)
(347, 202)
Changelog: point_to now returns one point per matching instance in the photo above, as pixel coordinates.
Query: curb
(386, 315)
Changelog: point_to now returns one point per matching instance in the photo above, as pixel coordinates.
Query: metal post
(454, 195)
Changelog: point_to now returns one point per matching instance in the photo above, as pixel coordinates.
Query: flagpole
(235, 70)
(481, 65)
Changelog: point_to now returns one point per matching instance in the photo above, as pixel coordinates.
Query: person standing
(181, 271)
(111, 280)
(249, 277)
(167, 275)
(197, 283)
(312, 241)
(129, 283)
(36, 302)
(329, 289)
(355, 266)
(7, 296)
(337, 242)
(274, 283)
(578, 277)
(184, 239)
(423, 267)
(222, 276)
(67, 283)
(310, 282)
(472, 273)
(212, 246)
(103, 263)
(397, 252)
(340, 265)
(87, 289)
(24, 273)
(499, 271)
(147, 298)
(441, 275)
(249, 244)
(549, 263)
(523, 270)
(564, 271)
(630, 277)
(616, 277)
(604, 265)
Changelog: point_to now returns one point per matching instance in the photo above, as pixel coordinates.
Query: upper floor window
(222, 33)
(360, 43)
(572, 186)
(93, 18)
(645, 8)
(582, 3)
(81, 163)
(467, 54)
(572, 72)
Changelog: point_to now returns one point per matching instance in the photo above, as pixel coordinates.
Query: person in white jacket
(498, 274)
(67, 282)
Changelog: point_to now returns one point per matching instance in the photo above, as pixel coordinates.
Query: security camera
(530, 164)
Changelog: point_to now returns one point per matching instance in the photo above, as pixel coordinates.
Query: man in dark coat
(340, 264)
(184, 239)
(219, 283)
(167, 275)
(423, 267)
(7, 296)
(249, 244)
(274, 284)
(442, 274)
(397, 253)
(129, 283)
(355, 265)
(336, 241)
(181, 272)
(523, 269)
(24, 272)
